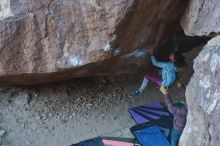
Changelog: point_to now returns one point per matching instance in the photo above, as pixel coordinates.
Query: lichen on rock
(5, 9)
(201, 18)
(203, 99)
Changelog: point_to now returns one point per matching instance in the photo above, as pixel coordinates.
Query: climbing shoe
(136, 93)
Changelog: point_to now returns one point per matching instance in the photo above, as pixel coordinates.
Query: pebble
(27, 142)
(63, 121)
(104, 81)
(38, 118)
(2, 132)
(21, 100)
(29, 98)
(50, 115)
(73, 114)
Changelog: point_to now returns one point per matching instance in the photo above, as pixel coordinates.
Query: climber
(169, 70)
(179, 111)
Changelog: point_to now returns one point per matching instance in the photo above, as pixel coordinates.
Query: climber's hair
(179, 60)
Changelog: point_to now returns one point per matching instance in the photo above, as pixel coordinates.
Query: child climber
(169, 70)
(179, 111)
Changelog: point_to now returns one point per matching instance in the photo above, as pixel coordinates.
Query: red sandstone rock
(52, 40)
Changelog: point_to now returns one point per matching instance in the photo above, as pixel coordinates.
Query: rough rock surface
(202, 17)
(203, 98)
(51, 40)
(65, 113)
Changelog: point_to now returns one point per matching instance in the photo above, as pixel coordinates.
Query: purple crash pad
(148, 112)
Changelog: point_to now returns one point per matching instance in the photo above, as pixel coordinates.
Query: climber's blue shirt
(168, 71)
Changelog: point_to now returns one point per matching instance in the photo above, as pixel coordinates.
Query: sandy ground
(65, 113)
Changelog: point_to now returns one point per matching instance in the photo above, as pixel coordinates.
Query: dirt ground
(65, 113)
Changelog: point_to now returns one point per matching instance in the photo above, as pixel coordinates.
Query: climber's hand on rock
(163, 90)
(179, 85)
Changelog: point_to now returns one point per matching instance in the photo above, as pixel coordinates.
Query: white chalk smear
(106, 46)
(138, 53)
(74, 61)
(214, 62)
(5, 9)
(189, 130)
(205, 82)
(212, 106)
(117, 51)
(215, 99)
(208, 94)
(205, 58)
(65, 49)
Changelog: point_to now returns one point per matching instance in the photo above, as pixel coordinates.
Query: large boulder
(203, 99)
(202, 17)
(51, 40)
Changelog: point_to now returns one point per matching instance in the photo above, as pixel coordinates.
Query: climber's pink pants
(154, 78)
